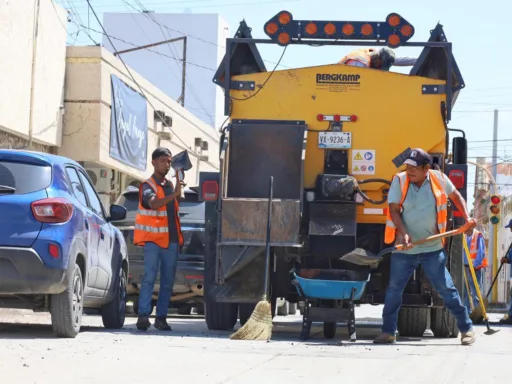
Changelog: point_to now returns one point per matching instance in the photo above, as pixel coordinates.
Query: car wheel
(67, 307)
(114, 313)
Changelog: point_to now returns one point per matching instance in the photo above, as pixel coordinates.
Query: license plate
(337, 140)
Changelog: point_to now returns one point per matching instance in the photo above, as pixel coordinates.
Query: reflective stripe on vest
(363, 56)
(473, 250)
(152, 225)
(438, 189)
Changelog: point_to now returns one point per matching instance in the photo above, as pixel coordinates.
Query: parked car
(188, 283)
(59, 251)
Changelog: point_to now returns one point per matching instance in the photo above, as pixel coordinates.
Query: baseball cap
(509, 224)
(418, 157)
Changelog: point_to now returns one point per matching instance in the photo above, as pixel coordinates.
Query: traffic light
(495, 209)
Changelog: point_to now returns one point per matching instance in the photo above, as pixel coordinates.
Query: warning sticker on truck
(363, 161)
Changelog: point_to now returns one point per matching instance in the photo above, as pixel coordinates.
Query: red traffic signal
(495, 199)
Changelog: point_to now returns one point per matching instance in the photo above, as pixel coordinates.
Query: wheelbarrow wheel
(329, 330)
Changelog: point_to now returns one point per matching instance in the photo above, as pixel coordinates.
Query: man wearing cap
(158, 230)
(383, 59)
(418, 201)
(508, 259)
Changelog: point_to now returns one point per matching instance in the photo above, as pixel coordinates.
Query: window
(76, 185)
(23, 177)
(94, 201)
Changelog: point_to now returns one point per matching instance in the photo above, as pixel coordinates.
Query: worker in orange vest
(476, 245)
(418, 200)
(158, 230)
(370, 58)
(383, 59)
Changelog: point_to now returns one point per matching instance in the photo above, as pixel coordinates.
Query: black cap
(418, 157)
(161, 151)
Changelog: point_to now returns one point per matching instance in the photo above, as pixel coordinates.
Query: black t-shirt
(148, 193)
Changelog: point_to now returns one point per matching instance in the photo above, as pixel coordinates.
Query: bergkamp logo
(337, 78)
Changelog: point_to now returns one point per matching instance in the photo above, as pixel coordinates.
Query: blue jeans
(474, 296)
(434, 265)
(167, 258)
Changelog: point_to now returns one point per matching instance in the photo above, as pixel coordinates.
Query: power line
(151, 17)
(134, 80)
(146, 49)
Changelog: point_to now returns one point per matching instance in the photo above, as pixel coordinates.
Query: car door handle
(102, 235)
(86, 225)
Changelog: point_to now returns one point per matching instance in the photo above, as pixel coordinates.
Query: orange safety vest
(473, 249)
(363, 55)
(438, 189)
(151, 225)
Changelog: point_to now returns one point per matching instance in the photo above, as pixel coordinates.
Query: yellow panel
(392, 114)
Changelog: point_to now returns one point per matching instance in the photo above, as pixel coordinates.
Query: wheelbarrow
(329, 296)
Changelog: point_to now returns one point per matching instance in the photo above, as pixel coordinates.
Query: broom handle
(267, 242)
(497, 273)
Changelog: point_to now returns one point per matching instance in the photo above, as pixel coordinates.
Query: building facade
(162, 65)
(32, 70)
(88, 125)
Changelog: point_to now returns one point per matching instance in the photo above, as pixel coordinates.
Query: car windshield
(19, 178)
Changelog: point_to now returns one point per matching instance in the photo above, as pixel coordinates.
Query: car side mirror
(117, 212)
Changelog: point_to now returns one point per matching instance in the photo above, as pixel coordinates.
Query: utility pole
(32, 81)
(181, 99)
(493, 238)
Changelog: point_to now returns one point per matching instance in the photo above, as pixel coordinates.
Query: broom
(259, 325)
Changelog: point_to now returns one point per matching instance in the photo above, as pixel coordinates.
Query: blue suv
(58, 250)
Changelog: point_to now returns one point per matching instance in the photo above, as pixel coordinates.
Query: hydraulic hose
(364, 195)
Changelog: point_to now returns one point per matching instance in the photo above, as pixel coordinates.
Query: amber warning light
(284, 30)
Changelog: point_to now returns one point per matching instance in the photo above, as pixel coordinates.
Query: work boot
(143, 323)
(467, 338)
(385, 338)
(506, 321)
(161, 324)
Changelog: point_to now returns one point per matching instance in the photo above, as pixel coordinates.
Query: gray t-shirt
(419, 215)
(148, 193)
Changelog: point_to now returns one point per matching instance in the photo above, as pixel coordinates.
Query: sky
(478, 31)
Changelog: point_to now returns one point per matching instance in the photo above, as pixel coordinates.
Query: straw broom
(259, 325)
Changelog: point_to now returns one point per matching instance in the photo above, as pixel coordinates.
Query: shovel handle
(454, 232)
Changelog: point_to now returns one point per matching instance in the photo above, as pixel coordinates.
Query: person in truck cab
(508, 259)
(418, 201)
(157, 229)
(383, 59)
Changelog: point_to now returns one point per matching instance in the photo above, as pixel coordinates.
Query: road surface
(29, 353)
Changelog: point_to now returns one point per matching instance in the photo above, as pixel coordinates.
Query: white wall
(205, 48)
(87, 119)
(16, 38)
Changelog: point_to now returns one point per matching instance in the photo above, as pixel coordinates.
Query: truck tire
(440, 327)
(67, 307)
(245, 311)
(220, 316)
(113, 314)
(412, 322)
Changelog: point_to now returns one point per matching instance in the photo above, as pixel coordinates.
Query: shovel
(360, 256)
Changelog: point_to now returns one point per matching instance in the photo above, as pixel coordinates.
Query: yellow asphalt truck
(332, 137)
